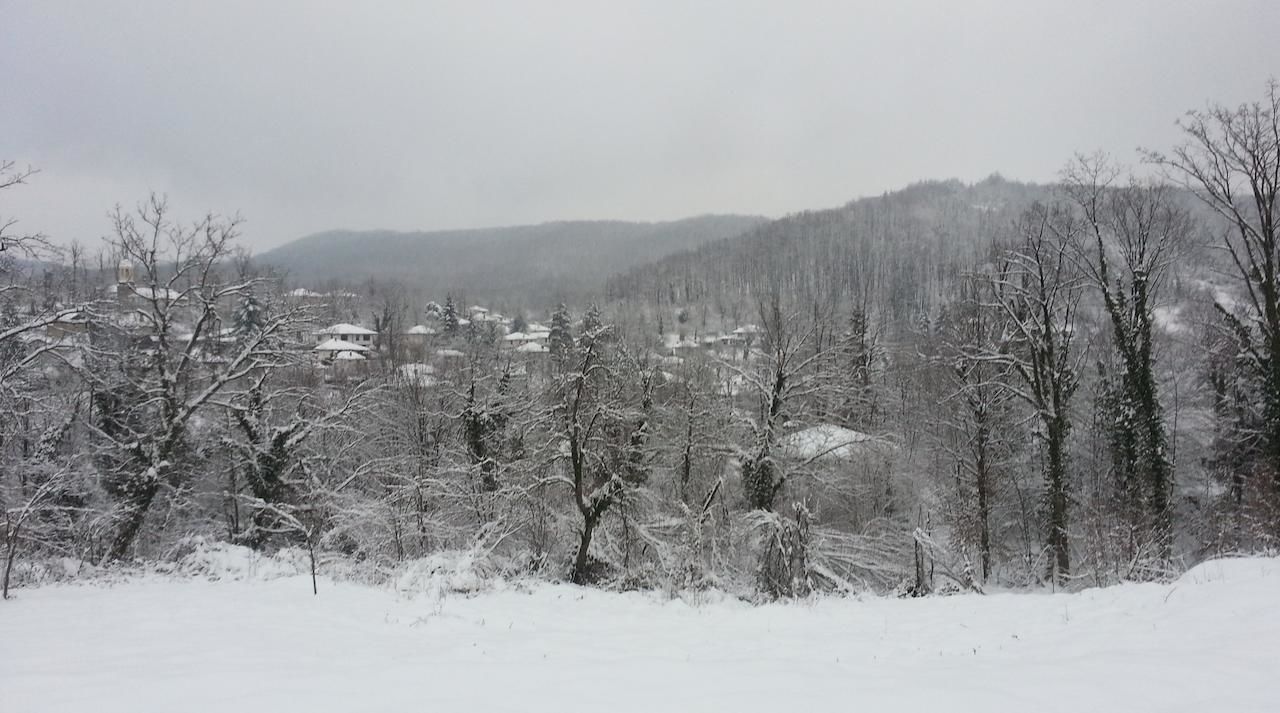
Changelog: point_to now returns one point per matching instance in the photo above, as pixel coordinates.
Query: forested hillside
(562, 259)
(901, 250)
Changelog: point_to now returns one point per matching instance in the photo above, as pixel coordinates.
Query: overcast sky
(305, 116)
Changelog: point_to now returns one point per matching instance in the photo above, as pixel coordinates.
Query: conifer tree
(449, 316)
(561, 340)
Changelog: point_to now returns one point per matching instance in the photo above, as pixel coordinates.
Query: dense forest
(562, 260)
(946, 387)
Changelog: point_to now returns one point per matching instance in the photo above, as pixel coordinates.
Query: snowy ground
(1210, 642)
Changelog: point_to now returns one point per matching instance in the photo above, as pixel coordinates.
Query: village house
(126, 295)
(418, 335)
(351, 333)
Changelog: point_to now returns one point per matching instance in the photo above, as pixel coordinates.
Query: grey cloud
(305, 116)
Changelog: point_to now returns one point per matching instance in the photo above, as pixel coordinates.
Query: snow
(147, 293)
(420, 329)
(673, 340)
(1169, 318)
(532, 348)
(339, 345)
(828, 440)
(258, 640)
(1219, 293)
(346, 329)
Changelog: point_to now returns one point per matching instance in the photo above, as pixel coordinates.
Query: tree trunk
(10, 555)
(581, 561)
(131, 519)
(1059, 567)
(311, 551)
(981, 483)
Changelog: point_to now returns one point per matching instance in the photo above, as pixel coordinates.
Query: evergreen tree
(449, 316)
(591, 321)
(858, 352)
(249, 315)
(561, 340)
(592, 324)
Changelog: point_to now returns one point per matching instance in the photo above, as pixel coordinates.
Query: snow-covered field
(1209, 642)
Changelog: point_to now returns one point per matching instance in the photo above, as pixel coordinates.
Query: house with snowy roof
(418, 335)
(351, 333)
(333, 346)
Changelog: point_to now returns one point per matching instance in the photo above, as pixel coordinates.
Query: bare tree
(1037, 289)
(978, 419)
(36, 503)
(1231, 161)
(273, 424)
(1134, 230)
(602, 408)
(788, 370)
(162, 356)
(18, 350)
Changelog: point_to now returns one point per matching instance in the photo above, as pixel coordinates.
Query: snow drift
(1207, 642)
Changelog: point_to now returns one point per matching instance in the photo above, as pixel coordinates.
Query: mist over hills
(897, 244)
(564, 259)
(900, 249)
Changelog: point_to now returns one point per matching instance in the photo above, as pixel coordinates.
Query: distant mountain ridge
(567, 257)
(899, 250)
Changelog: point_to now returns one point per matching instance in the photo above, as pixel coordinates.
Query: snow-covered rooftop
(827, 440)
(147, 293)
(420, 329)
(343, 328)
(520, 337)
(340, 345)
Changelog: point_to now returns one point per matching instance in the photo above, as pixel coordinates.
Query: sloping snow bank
(198, 557)
(1207, 642)
(449, 572)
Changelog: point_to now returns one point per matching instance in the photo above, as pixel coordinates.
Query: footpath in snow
(1209, 642)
